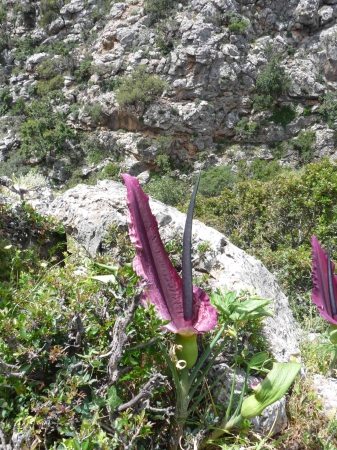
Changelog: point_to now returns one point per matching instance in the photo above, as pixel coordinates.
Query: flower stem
(180, 416)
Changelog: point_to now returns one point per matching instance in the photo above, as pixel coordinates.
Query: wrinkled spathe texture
(164, 285)
(320, 294)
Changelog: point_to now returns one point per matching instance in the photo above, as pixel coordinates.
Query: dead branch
(119, 338)
(7, 370)
(147, 390)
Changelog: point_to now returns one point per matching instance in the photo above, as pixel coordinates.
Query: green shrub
(110, 172)
(303, 143)
(237, 24)
(44, 130)
(270, 85)
(24, 47)
(328, 109)
(95, 111)
(101, 11)
(283, 115)
(50, 10)
(139, 88)
(159, 9)
(259, 169)
(83, 73)
(5, 101)
(94, 148)
(109, 84)
(63, 48)
(307, 111)
(43, 88)
(167, 32)
(246, 129)
(50, 68)
(168, 190)
(163, 162)
(19, 107)
(214, 180)
(75, 110)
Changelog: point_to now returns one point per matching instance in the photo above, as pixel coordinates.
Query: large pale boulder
(86, 212)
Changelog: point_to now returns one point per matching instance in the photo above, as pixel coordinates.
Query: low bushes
(139, 88)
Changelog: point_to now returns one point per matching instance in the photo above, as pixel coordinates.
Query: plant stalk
(180, 416)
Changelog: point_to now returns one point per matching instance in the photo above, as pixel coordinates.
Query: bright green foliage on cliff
(50, 10)
(158, 9)
(283, 115)
(237, 24)
(304, 145)
(139, 88)
(5, 101)
(44, 131)
(328, 109)
(270, 85)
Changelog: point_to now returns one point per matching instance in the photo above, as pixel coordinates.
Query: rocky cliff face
(242, 79)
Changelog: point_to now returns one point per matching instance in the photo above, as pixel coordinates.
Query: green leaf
(253, 308)
(258, 361)
(113, 398)
(333, 334)
(105, 278)
(272, 388)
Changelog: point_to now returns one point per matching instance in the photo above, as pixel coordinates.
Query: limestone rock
(86, 212)
(307, 12)
(326, 389)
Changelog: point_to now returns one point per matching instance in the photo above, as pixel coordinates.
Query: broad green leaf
(272, 388)
(258, 361)
(333, 334)
(113, 269)
(105, 278)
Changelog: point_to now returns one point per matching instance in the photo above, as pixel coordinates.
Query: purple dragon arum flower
(188, 316)
(324, 294)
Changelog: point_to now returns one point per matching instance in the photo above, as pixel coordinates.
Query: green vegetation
(168, 190)
(57, 48)
(237, 24)
(246, 129)
(283, 115)
(163, 162)
(158, 9)
(304, 145)
(24, 47)
(50, 10)
(83, 73)
(4, 35)
(328, 109)
(44, 131)
(215, 180)
(19, 107)
(95, 111)
(274, 221)
(259, 169)
(43, 88)
(50, 68)
(5, 101)
(110, 172)
(270, 85)
(58, 375)
(139, 88)
(101, 10)
(167, 32)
